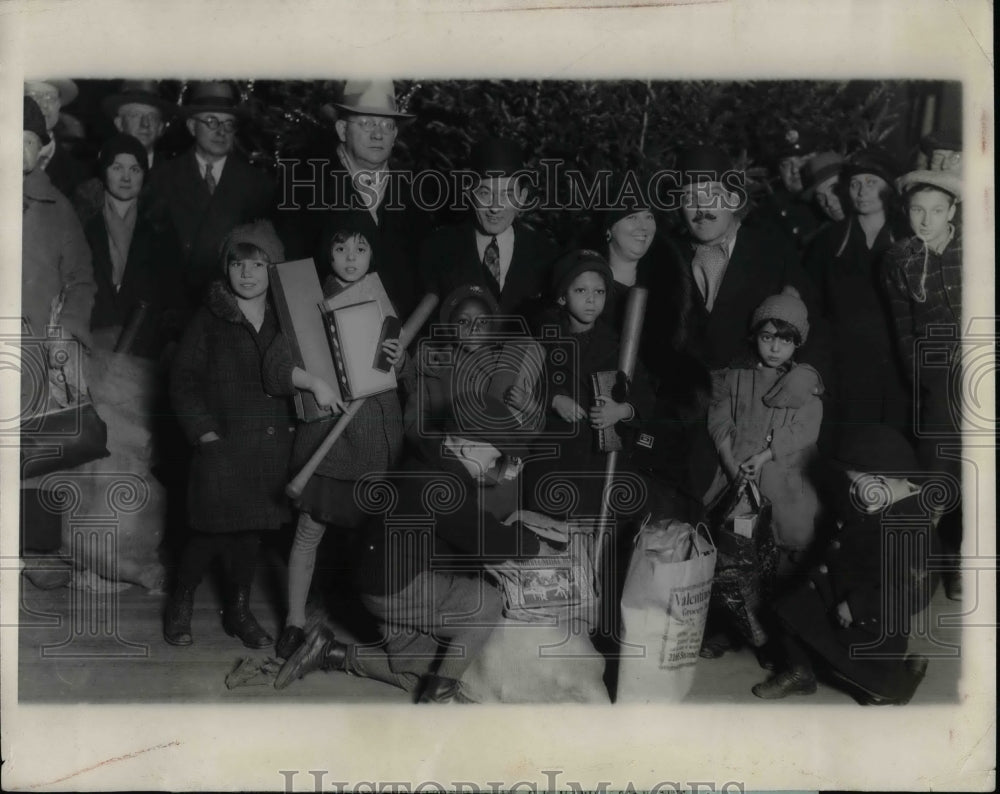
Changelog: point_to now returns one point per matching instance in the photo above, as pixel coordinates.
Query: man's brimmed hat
(948, 181)
(67, 88)
(370, 98)
(34, 120)
(214, 97)
(496, 157)
(948, 137)
(818, 169)
(138, 92)
(698, 163)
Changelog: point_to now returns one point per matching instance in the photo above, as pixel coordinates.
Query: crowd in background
(779, 335)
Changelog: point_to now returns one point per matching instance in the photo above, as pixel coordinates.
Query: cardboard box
(298, 299)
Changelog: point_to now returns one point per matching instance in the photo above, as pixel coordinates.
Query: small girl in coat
(772, 446)
(242, 435)
(372, 442)
(582, 280)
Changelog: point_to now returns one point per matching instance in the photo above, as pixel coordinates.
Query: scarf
(710, 263)
(120, 229)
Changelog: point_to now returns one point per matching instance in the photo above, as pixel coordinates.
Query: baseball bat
(410, 329)
(635, 313)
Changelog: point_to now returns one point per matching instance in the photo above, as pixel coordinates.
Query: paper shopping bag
(664, 606)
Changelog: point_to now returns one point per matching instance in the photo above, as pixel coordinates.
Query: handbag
(67, 431)
(740, 523)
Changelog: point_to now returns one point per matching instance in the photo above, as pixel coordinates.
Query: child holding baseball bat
(577, 415)
(371, 442)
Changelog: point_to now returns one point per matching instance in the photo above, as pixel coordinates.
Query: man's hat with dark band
(214, 97)
(496, 157)
(700, 162)
(818, 169)
(370, 98)
(138, 92)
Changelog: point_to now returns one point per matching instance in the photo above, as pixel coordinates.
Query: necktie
(709, 265)
(491, 259)
(209, 178)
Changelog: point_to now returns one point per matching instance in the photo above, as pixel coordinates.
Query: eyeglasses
(214, 124)
(44, 98)
(369, 124)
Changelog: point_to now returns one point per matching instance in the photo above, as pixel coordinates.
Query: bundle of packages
(740, 523)
(664, 606)
(542, 652)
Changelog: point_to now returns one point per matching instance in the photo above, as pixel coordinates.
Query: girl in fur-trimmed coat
(242, 435)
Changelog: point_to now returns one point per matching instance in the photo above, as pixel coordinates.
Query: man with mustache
(726, 265)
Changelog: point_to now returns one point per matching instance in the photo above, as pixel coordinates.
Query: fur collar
(222, 303)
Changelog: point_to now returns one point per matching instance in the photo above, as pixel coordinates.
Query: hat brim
(110, 105)
(240, 111)
(67, 90)
(362, 110)
(944, 180)
(834, 169)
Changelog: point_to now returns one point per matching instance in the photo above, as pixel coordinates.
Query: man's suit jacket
(395, 237)
(450, 258)
(201, 219)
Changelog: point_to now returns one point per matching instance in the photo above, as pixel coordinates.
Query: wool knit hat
(122, 144)
(34, 120)
(787, 306)
(259, 233)
(574, 263)
(467, 292)
(876, 449)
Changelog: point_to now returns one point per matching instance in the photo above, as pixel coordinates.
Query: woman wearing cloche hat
(868, 383)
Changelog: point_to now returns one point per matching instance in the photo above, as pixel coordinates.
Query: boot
(239, 622)
(177, 620)
(320, 651)
(438, 689)
(797, 681)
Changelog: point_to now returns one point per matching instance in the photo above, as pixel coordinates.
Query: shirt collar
(505, 238)
(217, 165)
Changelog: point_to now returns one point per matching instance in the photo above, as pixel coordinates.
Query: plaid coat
(236, 483)
(925, 289)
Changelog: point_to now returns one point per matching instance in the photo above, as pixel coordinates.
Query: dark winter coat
(762, 263)
(867, 383)
(66, 171)
(201, 219)
(449, 258)
(571, 359)
(436, 512)
(396, 236)
(877, 563)
(238, 482)
(798, 220)
(150, 276)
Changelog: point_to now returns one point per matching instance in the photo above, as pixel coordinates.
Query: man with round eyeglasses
(210, 189)
(137, 109)
(358, 189)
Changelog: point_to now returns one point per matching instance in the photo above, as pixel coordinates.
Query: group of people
(779, 343)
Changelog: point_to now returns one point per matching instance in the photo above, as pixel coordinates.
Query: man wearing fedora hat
(209, 189)
(137, 109)
(359, 190)
(64, 169)
(492, 248)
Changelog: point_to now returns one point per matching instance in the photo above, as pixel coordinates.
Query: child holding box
(372, 442)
